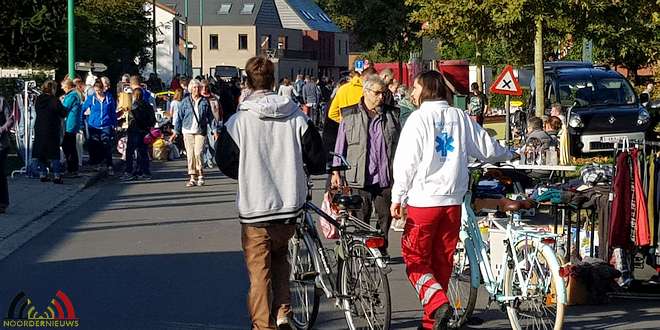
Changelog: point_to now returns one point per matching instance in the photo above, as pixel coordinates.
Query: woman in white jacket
(431, 177)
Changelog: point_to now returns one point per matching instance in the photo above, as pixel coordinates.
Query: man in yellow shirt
(349, 94)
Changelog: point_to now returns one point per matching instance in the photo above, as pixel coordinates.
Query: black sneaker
(442, 316)
(58, 180)
(44, 179)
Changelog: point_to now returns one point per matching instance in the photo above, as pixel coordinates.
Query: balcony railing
(289, 54)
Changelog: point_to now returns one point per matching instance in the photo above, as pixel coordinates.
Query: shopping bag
(329, 231)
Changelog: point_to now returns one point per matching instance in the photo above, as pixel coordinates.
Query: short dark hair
(98, 84)
(554, 123)
(260, 73)
(474, 86)
(433, 86)
(535, 123)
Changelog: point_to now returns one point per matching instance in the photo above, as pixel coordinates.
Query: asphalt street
(158, 255)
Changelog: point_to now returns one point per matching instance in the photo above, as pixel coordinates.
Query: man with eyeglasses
(367, 137)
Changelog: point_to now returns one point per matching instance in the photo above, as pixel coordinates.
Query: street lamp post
(153, 31)
(201, 37)
(71, 39)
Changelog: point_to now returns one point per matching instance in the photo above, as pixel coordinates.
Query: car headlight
(643, 118)
(575, 121)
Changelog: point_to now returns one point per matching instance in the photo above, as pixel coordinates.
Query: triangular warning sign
(506, 83)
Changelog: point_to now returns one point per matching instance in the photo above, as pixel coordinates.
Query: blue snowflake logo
(444, 144)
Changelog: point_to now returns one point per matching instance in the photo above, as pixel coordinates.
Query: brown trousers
(266, 256)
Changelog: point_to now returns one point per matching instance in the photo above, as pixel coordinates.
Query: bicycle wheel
(302, 283)
(462, 293)
(541, 308)
(365, 290)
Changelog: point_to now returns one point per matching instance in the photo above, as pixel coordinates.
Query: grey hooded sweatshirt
(265, 145)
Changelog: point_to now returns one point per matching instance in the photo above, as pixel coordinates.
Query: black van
(600, 104)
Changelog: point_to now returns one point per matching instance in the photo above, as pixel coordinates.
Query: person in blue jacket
(73, 122)
(102, 120)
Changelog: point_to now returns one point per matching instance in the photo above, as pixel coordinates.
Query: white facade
(168, 58)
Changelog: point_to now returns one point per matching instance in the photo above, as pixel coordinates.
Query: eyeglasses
(377, 93)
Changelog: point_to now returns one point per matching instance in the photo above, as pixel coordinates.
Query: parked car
(601, 105)
(226, 72)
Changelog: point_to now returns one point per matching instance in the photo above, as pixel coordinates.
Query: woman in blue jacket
(73, 122)
(102, 121)
(192, 119)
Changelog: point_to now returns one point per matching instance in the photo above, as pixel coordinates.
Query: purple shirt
(377, 161)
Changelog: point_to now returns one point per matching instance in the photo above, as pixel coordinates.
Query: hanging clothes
(650, 201)
(642, 234)
(564, 148)
(619, 231)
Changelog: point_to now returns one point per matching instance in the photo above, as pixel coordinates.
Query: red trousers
(428, 243)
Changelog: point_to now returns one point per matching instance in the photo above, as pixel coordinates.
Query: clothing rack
(27, 89)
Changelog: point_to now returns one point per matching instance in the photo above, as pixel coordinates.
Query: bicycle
(528, 287)
(364, 293)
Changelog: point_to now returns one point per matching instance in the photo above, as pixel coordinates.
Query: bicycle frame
(477, 253)
(319, 257)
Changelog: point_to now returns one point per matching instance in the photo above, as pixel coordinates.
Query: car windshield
(226, 71)
(583, 93)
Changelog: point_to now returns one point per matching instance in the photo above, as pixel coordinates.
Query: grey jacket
(310, 93)
(356, 121)
(265, 145)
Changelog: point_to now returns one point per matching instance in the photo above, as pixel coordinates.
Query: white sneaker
(398, 225)
(283, 324)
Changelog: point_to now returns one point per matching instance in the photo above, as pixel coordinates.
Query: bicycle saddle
(347, 202)
(510, 205)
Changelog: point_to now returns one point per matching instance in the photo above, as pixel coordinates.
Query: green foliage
(111, 32)
(31, 33)
(382, 26)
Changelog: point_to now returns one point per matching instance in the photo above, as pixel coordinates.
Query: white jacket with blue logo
(431, 161)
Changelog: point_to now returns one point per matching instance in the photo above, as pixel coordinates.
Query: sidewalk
(31, 200)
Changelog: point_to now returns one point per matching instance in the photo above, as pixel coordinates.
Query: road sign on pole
(359, 65)
(89, 66)
(506, 83)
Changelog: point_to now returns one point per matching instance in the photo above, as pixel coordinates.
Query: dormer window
(247, 9)
(224, 9)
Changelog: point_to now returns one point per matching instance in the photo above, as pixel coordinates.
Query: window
(324, 17)
(307, 15)
(338, 47)
(247, 9)
(224, 9)
(346, 47)
(283, 42)
(213, 41)
(242, 41)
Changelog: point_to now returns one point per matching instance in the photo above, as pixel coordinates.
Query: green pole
(72, 39)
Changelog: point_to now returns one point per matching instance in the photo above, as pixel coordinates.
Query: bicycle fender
(475, 280)
(554, 264)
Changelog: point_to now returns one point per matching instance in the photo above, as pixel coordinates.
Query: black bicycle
(354, 272)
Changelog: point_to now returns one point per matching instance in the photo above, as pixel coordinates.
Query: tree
(624, 33)
(384, 26)
(31, 34)
(112, 32)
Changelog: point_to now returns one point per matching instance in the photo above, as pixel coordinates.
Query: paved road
(157, 255)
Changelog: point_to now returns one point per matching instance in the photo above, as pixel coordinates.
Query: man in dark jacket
(368, 136)
(265, 146)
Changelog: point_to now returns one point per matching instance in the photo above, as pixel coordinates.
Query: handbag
(151, 137)
(329, 231)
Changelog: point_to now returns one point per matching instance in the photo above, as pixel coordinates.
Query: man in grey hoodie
(266, 145)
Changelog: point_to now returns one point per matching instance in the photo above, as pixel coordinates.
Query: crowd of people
(270, 144)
